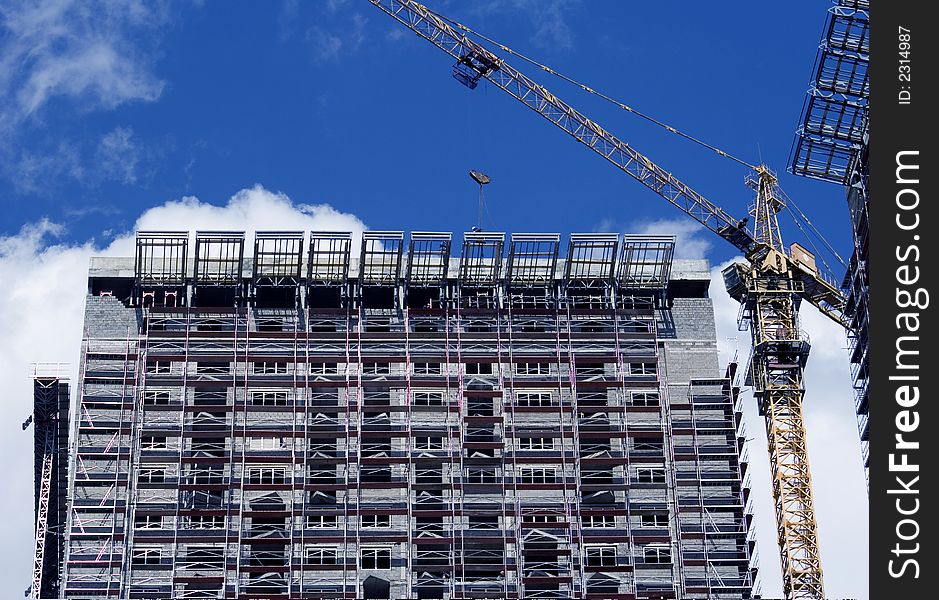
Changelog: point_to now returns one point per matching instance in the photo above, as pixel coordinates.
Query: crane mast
(49, 419)
(770, 286)
(770, 297)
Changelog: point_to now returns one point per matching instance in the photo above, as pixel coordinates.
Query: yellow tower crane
(769, 286)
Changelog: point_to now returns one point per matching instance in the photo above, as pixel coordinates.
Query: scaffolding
(428, 258)
(834, 116)
(646, 261)
(160, 267)
(403, 431)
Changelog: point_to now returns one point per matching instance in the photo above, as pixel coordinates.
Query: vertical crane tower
(770, 286)
(50, 423)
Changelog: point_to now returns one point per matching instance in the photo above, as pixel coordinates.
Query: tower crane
(770, 285)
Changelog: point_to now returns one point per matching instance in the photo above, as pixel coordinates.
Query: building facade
(339, 416)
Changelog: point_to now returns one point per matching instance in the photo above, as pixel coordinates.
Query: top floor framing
(388, 270)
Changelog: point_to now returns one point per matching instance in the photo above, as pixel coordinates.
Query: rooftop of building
(599, 255)
(274, 262)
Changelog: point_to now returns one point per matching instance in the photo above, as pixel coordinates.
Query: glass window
(269, 398)
(423, 398)
(324, 368)
(156, 397)
(537, 474)
(657, 554)
(376, 558)
(535, 443)
(375, 521)
(654, 520)
(207, 522)
(266, 475)
(158, 367)
(270, 368)
(321, 521)
(643, 368)
(599, 521)
(601, 556)
(480, 475)
(533, 399)
(645, 398)
(541, 519)
(148, 521)
(266, 443)
(428, 443)
(321, 555)
(376, 368)
(530, 368)
(152, 474)
(650, 474)
(206, 474)
(146, 556)
(152, 442)
(478, 368)
(426, 368)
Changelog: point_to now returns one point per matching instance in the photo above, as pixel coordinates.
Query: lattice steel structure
(481, 426)
(834, 117)
(832, 145)
(50, 420)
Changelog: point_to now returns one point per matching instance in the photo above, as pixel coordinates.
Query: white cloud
(334, 5)
(67, 57)
(32, 172)
(841, 501)
(327, 41)
(547, 17)
(688, 243)
(324, 46)
(68, 48)
(396, 35)
(118, 155)
(41, 321)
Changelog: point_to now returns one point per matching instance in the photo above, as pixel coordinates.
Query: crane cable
(594, 92)
(789, 203)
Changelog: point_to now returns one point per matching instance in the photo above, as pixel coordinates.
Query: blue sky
(328, 114)
(334, 102)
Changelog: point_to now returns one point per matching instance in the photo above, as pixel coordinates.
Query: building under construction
(832, 145)
(329, 415)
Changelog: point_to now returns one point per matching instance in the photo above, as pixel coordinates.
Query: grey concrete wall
(690, 348)
(106, 317)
